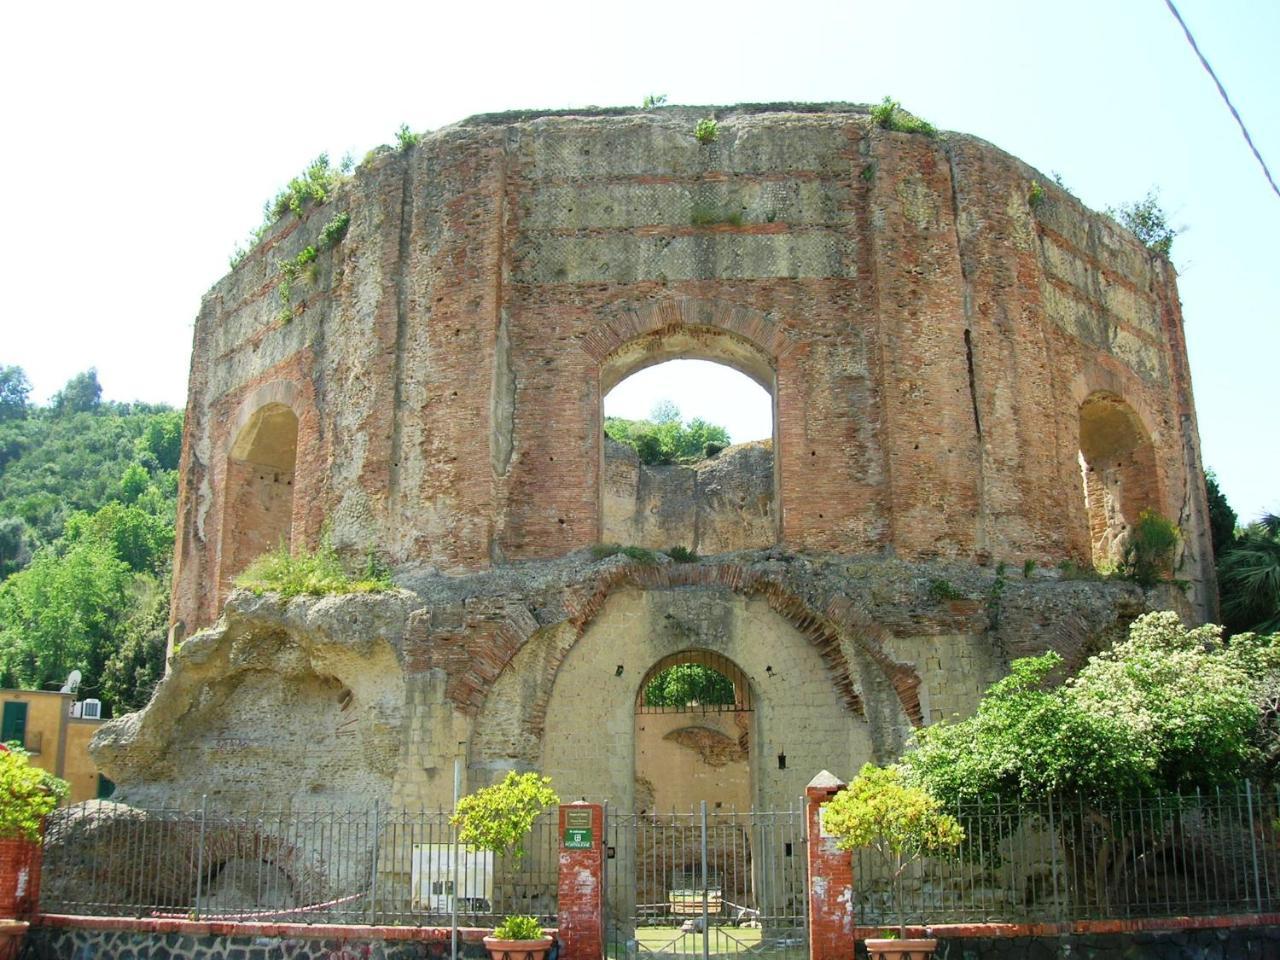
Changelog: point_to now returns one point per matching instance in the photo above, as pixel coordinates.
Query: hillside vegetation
(88, 495)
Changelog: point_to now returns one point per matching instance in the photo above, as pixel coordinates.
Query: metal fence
(370, 866)
(1189, 854)
(706, 883)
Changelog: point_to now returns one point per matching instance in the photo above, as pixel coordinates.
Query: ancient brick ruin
(974, 382)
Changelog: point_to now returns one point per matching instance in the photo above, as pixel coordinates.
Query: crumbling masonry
(969, 374)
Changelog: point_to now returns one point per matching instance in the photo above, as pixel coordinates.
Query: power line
(1227, 100)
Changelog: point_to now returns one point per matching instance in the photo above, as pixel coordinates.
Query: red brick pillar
(830, 879)
(20, 862)
(581, 881)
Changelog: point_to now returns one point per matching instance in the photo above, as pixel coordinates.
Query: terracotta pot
(906, 949)
(517, 949)
(20, 861)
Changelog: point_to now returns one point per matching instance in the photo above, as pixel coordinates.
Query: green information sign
(577, 838)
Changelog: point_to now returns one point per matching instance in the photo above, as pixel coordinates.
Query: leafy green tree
(498, 818)
(1147, 221)
(689, 683)
(160, 445)
(15, 388)
(1249, 578)
(1169, 708)
(898, 821)
(60, 613)
(136, 665)
(1222, 519)
(15, 545)
(82, 394)
(28, 794)
(664, 438)
(141, 540)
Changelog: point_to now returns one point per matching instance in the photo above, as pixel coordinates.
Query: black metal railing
(1184, 854)
(374, 866)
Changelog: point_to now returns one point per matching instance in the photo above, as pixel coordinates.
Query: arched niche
(258, 489)
(693, 734)
(732, 502)
(1118, 471)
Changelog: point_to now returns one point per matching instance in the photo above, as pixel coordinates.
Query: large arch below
(512, 697)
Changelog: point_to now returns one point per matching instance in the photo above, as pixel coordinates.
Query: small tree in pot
(901, 823)
(27, 795)
(497, 819)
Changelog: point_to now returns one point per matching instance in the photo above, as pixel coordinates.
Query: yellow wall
(58, 742)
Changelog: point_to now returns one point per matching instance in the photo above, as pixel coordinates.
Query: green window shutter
(14, 724)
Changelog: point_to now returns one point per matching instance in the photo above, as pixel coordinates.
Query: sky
(139, 142)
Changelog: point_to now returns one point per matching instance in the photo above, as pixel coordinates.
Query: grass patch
(641, 555)
(315, 573)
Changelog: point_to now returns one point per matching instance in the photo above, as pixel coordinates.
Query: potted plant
(497, 819)
(879, 811)
(27, 795)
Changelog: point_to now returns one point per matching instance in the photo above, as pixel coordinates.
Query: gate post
(581, 881)
(830, 878)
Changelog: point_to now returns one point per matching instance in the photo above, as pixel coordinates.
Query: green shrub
(498, 818)
(313, 185)
(1147, 221)
(1028, 568)
(1148, 556)
(681, 554)
(707, 131)
(900, 822)
(652, 100)
(941, 590)
(313, 573)
(890, 115)
(1036, 195)
(334, 231)
(517, 927)
(406, 138)
(27, 795)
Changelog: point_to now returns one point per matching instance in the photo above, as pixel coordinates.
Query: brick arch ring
(623, 325)
(824, 629)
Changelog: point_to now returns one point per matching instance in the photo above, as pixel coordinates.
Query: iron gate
(707, 883)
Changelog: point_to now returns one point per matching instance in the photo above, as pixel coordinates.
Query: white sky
(139, 141)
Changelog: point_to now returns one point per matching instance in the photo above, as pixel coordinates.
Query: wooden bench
(688, 903)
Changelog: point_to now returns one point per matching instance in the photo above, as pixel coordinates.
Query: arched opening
(258, 512)
(1117, 464)
(688, 444)
(693, 734)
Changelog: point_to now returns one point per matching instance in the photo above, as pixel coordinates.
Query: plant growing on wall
(1147, 221)
(897, 821)
(707, 131)
(888, 114)
(1148, 556)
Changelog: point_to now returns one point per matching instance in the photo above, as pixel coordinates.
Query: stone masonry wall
(927, 334)
(718, 505)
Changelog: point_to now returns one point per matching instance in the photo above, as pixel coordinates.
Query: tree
(136, 665)
(1249, 578)
(160, 445)
(60, 613)
(15, 388)
(665, 438)
(82, 394)
(689, 683)
(141, 540)
(1222, 519)
(1147, 221)
(1169, 708)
